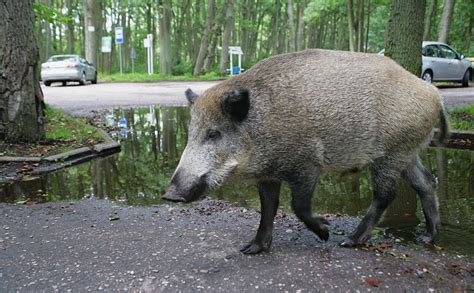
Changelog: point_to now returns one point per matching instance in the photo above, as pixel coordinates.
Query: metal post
(120, 57)
(231, 65)
(240, 63)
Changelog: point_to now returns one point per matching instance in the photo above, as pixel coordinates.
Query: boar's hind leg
(302, 190)
(269, 191)
(424, 184)
(385, 173)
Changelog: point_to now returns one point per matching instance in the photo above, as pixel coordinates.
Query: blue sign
(119, 35)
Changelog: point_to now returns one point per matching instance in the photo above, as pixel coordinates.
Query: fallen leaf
(114, 218)
(372, 282)
(21, 202)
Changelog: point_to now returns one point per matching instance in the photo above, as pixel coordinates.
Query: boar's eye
(212, 134)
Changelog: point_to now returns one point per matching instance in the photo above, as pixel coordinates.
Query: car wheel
(64, 83)
(82, 81)
(94, 81)
(427, 76)
(465, 79)
(47, 83)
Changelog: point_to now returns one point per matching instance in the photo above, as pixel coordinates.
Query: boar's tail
(443, 126)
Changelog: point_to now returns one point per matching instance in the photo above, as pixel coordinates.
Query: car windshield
(62, 58)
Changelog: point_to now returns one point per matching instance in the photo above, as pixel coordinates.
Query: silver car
(64, 68)
(443, 63)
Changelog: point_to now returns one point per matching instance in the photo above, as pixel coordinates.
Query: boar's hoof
(255, 247)
(173, 197)
(425, 238)
(348, 243)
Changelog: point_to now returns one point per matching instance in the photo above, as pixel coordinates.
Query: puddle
(153, 139)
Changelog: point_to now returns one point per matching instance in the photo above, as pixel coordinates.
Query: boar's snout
(185, 189)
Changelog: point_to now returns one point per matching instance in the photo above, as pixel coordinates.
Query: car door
(86, 67)
(433, 61)
(455, 69)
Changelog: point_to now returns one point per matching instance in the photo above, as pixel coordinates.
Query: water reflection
(153, 139)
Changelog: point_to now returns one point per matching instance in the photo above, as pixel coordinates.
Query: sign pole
(120, 57)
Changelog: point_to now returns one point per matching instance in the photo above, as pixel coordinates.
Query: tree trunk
(21, 113)
(70, 28)
(299, 39)
(47, 36)
(445, 21)
(340, 36)
(350, 20)
(273, 39)
(429, 20)
(369, 6)
(211, 9)
(360, 26)
(90, 27)
(226, 39)
(405, 34)
(211, 56)
(291, 25)
(164, 11)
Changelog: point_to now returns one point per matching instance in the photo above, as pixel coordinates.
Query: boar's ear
(236, 104)
(191, 96)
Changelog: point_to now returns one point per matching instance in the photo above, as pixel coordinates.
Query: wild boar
(293, 116)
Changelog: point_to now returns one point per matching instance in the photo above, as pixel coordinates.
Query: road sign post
(119, 42)
(148, 44)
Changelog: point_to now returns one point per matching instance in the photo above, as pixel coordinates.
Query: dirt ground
(93, 245)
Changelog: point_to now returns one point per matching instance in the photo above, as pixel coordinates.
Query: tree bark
(90, 20)
(211, 9)
(21, 112)
(350, 20)
(70, 27)
(429, 20)
(299, 39)
(360, 26)
(226, 38)
(47, 35)
(405, 34)
(164, 11)
(211, 55)
(445, 21)
(291, 25)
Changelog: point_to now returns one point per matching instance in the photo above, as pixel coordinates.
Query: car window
(83, 61)
(448, 53)
(431, 51)
(61, 58)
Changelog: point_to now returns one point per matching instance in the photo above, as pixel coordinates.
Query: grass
(62, 133)
(462, 118)
(60, 126)
(144, 77)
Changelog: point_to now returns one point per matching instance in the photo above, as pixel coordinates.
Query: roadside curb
(65, 159)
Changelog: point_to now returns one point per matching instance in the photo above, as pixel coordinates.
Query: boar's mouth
(176, 194)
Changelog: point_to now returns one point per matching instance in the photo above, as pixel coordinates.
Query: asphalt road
(63, 246)
(82, 100)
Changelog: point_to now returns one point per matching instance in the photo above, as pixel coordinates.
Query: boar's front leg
(269, 191)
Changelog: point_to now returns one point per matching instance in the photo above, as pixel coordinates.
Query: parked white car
(442, 63)
(64, 68)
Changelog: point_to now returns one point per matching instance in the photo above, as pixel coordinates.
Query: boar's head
(217, 143)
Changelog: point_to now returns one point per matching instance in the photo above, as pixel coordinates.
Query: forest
(192, 37)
